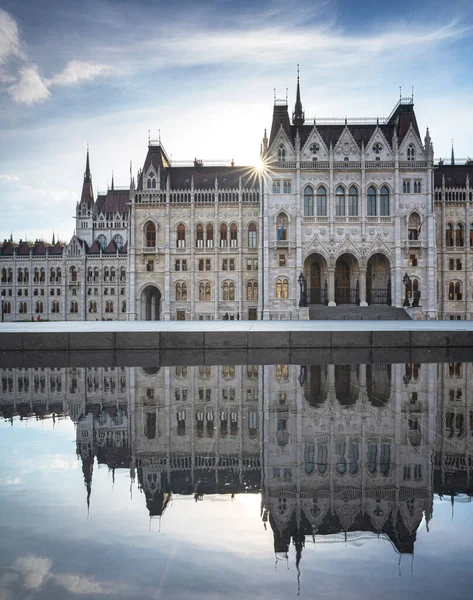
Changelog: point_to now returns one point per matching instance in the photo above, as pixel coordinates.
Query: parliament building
(359, 207)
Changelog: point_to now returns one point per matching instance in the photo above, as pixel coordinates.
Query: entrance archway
(315, 271)
(347, 287)
(378, 280)
(151, 303)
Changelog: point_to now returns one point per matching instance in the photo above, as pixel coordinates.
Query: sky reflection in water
(190, 482)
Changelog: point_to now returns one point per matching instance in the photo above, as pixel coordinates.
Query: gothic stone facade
(353, 204)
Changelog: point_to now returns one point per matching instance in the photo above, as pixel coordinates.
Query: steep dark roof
(7, 248)
(204, 177)
(455, 175)
(401, 119)
(58, 248)
(111, 248)
(113, 202)
(95, 248)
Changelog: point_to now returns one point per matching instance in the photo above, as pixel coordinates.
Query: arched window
(225, 290)
(340, 202)
(308, 202)
(123, 306)
(207, 291)
(92, 306)
(384, 202)
(106, 274)
(449, 234)
(223, 235)
(73, 272)
(414, 226)
(52, 276)
(199, 235)
(58, 275)
(10, 276)
(96, 274)
(150, 231)
(281, 227)
(411, 153)
(178, 292)
(113, 274)
(7, 308)
(210, 235)
(74, 307)
(181, 235)
(282, 289)
(38, 307)
(119, 241)
(55, 306)
(413, 286)
(22, 308)
(276, 187)
(151, 182)
(454, 290)
(252, 291)
(281, 153)
(109, 306)
(231, 291)
(459, 238)
(233, 235)
(252, 236)
(321, 201)
(184, 292)
(35, 276)
(102, 240)
(20, 275)
(353, 202)
(201, 291)
(371, 201)
(122, 274)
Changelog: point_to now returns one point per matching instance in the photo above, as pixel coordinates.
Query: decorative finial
(149, 137)
(286, 95)
(159, 134)
(412, 93)
(400, 93)
(112, 180)
(453, 155)
(274, 90)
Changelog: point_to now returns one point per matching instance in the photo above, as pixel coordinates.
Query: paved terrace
(211, 335)
(170, 343)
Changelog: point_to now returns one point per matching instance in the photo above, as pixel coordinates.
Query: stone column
(363, 286)
(331, 287)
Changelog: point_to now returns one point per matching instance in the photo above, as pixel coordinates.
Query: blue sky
(203, 73)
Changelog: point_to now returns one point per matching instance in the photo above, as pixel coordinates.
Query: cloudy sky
(203, 74)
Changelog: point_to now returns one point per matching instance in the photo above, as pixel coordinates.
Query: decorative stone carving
(354, 230)
(371, 230)
(340, 230)
(322, 231)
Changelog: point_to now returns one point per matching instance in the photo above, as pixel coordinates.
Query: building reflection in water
(338, 452)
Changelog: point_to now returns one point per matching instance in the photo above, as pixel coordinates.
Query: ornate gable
(346, 146)
(282, 141)
(378, 147)
(315, 147)
(411, 140)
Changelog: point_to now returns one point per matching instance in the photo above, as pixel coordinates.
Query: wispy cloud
(25, 84)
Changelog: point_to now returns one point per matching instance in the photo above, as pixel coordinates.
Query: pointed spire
(54, 240)
(11, 236)
(112, 188)
(453, 155)
(298, 116)
(87, 196)
(87, 175)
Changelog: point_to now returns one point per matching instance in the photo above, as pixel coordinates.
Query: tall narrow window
(287, 187)
(459, 238)
(150, 235)
(252, 237)
(321, 201)
(281, 227)
(233, 235)
(199, 235)
(223, 235)
(178, 292)
(340, 202)
(308, 202)
(181, 235)
(276, 187)
(384, 202)
(411, 153)
(371, 201)
(281, 153)
(353, 202)
(449, 234)
(210, 235)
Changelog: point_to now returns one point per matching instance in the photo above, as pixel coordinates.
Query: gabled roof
(111, 248)
(113, 202)
(455, 175)
(58, 248)
(7, 248)
(204, 177)
(95, 248)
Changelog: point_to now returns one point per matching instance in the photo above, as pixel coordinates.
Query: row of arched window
(204, 236)
(102, 241)
(346, 202)
(92, 306)
(109, 274)
(205, 291)
(455, 235)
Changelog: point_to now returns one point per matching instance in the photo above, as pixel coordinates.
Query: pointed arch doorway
(151, 303)
(315, 270)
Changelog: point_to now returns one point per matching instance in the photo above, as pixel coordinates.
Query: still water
(323, 481)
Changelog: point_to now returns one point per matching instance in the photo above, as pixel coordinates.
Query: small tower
(298, 117)
(85, 207)
(453, 156)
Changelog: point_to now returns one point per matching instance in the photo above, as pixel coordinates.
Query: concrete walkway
(233, 335)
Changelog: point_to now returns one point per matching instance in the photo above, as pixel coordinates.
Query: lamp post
(303, 299)
(406, 280)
